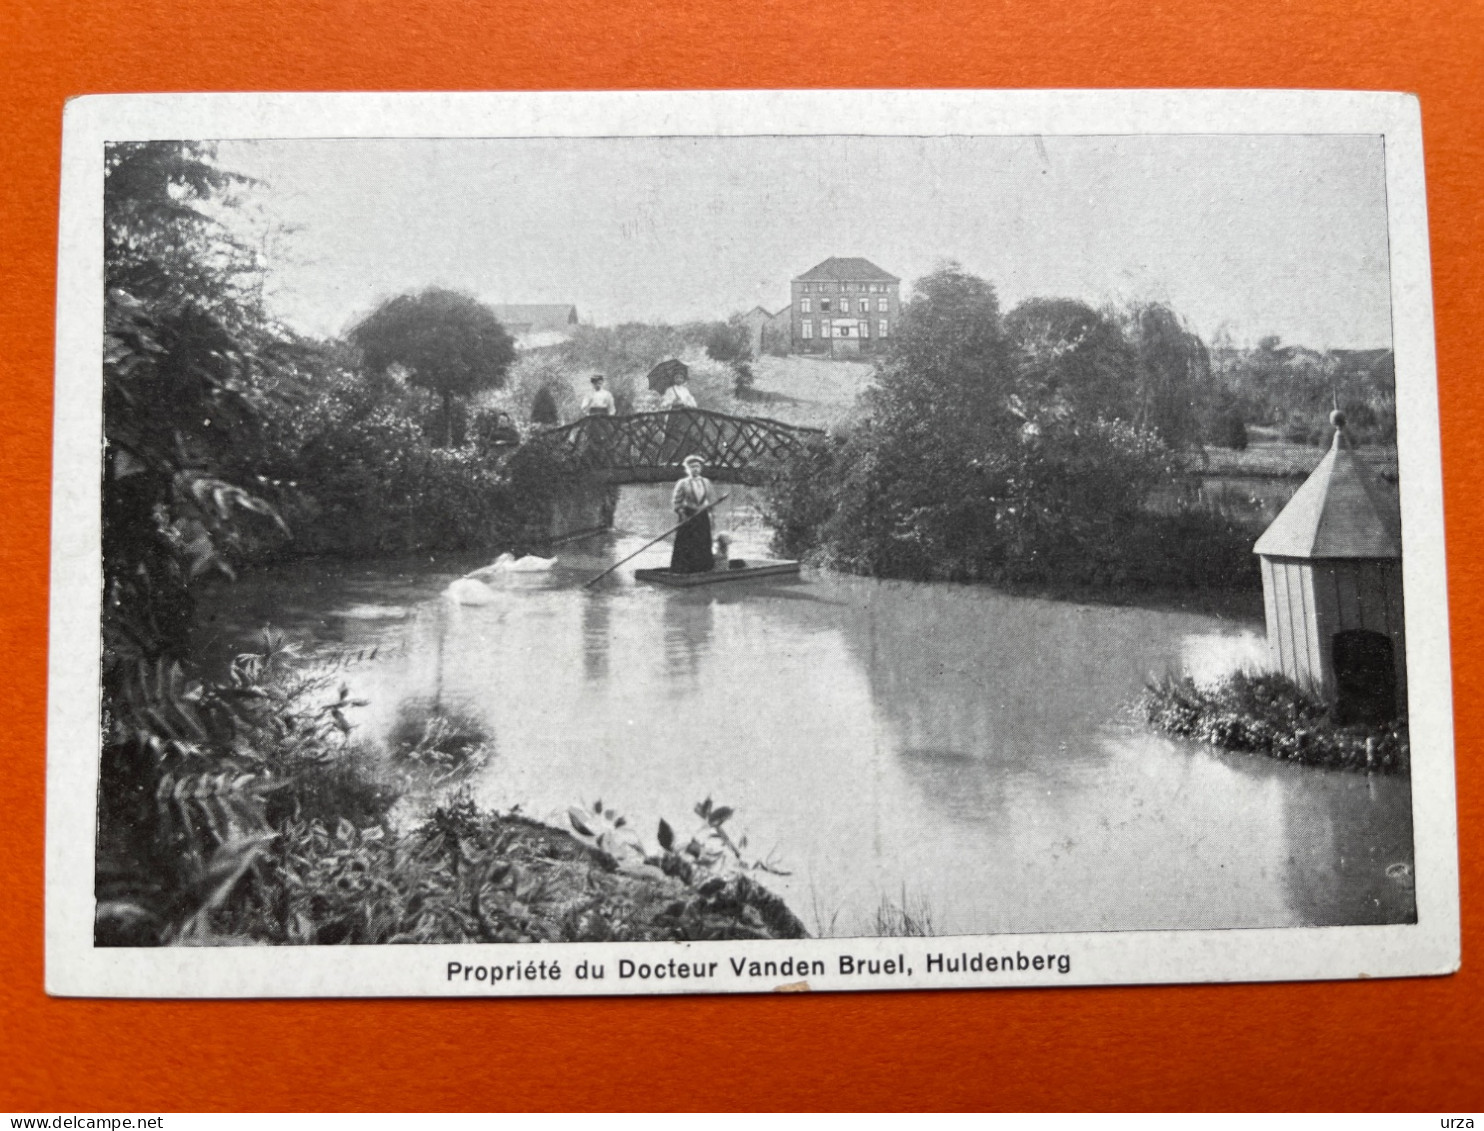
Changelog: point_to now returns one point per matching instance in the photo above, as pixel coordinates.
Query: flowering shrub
(1270, 714)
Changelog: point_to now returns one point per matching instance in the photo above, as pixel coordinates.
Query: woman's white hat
(688, 460)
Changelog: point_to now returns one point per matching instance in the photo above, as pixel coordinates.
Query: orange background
(1365, 1045)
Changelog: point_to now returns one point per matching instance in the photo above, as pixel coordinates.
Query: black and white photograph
(731, 543)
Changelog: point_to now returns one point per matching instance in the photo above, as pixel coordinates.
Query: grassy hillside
(806, 390)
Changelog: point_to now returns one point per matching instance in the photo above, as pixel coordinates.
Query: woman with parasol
(668, 378)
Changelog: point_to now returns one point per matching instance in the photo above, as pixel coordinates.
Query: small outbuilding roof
(1341, 511)
(853, 270)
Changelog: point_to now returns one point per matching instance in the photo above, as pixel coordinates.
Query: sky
(1244, 236)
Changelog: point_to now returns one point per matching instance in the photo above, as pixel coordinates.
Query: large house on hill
(537, 324)
(844, 306)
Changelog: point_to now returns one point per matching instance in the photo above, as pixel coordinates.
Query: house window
(826, 328)
(882, 305)
(865, 329)
(808, 331)
(881, 328)
(824, 305)
(804, 305)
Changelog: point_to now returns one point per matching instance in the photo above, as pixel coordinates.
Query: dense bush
(730, 344)
(1270, 714)
(986, 453)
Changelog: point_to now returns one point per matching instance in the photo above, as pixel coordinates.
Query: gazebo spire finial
(1337, 418)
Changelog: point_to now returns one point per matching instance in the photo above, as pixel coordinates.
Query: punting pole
(652, 541)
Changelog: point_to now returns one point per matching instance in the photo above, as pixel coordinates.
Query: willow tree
(1174, 382)
(448, 343)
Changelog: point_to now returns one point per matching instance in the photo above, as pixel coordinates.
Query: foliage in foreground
(466, 875)
(289, 838)
(1270, 714)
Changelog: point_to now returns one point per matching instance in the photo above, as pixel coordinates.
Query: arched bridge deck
(648, 447)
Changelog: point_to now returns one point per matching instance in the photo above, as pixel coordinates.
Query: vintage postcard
(531, 544)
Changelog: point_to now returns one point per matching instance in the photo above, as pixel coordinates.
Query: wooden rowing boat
(740, 571)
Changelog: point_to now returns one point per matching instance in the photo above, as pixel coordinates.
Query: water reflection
(688, 623)
(596, 631)
(969, 751)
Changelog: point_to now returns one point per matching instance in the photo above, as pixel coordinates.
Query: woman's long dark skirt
(693, 546)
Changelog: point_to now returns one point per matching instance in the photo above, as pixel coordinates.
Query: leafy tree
(188, 369)
(949, 364)
(1068, 354)
(1174, 375)
(986, 453)
(162, 242)
(727, 342)
(449, 343)
(730, 342)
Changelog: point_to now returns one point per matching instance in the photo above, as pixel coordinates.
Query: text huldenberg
(678, 970)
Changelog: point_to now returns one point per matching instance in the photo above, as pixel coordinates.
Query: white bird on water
(509, 563)
(470, 591)
(472, 588)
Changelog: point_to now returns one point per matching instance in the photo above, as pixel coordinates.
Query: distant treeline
(1292, 389)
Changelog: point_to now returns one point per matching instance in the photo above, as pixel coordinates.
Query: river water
(970, 756)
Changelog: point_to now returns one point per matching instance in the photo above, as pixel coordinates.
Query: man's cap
(688, 460)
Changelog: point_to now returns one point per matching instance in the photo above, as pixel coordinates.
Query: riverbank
(1268, 714)
(1282, 460)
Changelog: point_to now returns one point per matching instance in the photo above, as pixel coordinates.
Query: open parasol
(667, 373)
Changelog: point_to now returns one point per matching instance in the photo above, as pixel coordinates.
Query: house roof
(764, 312)
(1341, 511)
(537, 316)
(852, 270)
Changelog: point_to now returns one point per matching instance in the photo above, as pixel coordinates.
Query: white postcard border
(74, 967)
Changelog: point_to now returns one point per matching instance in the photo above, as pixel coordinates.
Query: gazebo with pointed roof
(1332, 588)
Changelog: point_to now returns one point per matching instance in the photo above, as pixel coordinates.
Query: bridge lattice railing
(649, 446)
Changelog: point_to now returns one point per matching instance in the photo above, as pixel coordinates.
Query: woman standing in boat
(693, 540)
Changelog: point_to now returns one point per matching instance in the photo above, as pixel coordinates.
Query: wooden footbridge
(648, 447)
